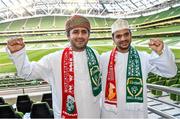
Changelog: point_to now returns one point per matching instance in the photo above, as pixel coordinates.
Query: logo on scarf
(96, 75)
(70, 104)
(134, 86)
(111, 92)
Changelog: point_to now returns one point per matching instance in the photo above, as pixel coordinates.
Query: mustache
(126, 41)
(81, 39)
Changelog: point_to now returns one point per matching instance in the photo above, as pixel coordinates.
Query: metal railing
(163, 114)
(164, 88)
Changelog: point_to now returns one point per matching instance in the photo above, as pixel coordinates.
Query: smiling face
(78, 38)
(122, 39)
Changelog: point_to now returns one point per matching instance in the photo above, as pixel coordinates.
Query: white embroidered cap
(119, 25)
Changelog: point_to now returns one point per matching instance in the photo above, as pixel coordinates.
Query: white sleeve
(30, 70)
(163, 65)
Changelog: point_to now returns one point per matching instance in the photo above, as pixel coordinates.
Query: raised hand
(157, 45)
(15, 44)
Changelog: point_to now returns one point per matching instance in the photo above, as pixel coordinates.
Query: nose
(123, 38)
(80, 35)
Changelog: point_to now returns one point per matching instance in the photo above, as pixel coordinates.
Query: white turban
(119, 25)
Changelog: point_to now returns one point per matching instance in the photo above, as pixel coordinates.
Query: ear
(113, 37)
(131, 34)
(68, 38)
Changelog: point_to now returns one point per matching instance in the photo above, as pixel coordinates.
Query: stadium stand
(17, 25)
(19, 82)
(59, 21)
(32, 23)
(47, 23)
(172, 12)
(51, 22)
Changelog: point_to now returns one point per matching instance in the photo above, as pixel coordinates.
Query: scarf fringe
(110, 107)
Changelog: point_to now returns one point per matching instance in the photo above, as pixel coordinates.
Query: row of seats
(170, 82)
(38, 110)
(23, 83)
(25, 105)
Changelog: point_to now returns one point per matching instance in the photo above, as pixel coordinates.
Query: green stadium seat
(20, 84)
(178, 82)
(171, 82)
(173, 96)
(10, 85)
(3, 85)
(158, 92)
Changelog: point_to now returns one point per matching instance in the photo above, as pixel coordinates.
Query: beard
(79, 45)
(123, 47)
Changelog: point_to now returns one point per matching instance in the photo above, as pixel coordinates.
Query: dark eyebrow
(75, 30)
(127, 33)
(84, 30)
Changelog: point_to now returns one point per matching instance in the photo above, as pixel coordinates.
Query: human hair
(113, 33)
(68, 33)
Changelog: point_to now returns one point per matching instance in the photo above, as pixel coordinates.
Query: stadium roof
(17, 9)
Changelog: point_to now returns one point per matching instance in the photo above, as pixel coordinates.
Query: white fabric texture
(119, 25)
(49, 69)
(163, 65)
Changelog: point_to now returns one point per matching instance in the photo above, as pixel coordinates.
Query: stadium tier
(49, 22)
(37, 24)
(57, 22)
(172, 12)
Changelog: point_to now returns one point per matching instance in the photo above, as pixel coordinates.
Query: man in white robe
(118, 99)
(50, 69)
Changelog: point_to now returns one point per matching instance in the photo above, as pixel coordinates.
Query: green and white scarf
(134, 81)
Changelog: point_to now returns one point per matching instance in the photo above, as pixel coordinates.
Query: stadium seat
(23, 103)
(171, 81)
(41, 110)
(7, 111)
(47, 97)
(178, 81)
(158, 92)
(173, 96)
(2, 101)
